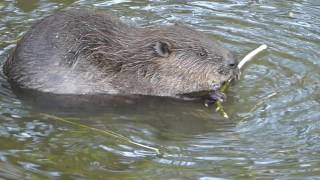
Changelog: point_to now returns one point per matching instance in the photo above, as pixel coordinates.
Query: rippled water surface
(273, 130)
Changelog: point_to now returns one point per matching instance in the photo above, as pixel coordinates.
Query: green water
(266, 137)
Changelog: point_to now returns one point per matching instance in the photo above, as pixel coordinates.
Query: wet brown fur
(85, 52)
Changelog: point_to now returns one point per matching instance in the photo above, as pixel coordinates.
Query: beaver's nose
(232, 63)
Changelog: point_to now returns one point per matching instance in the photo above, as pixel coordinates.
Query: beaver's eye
(203, 53)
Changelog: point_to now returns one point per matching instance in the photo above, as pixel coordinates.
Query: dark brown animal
(78, 51)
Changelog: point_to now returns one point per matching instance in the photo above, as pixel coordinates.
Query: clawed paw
(214, 97)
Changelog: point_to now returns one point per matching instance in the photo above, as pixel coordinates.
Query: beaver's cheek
(222, 70)
(213, 85)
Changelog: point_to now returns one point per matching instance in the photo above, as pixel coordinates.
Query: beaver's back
(46, 56)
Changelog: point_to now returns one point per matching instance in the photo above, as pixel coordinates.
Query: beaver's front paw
(214, 97)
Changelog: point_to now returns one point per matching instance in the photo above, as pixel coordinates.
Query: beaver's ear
(162, 48)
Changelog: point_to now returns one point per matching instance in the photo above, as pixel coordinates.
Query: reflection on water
(266, 137)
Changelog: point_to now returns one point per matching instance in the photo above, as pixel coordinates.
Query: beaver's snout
(233, 65)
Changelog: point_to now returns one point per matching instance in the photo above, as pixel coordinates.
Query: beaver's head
(169, 61)
(177, 60)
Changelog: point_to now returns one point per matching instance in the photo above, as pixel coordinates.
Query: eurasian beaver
(80, 51)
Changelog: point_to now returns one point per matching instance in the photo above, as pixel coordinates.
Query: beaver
(77, 51)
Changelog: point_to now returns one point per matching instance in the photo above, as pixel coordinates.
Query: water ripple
(275, 137)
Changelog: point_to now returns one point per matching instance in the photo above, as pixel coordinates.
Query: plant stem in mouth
(225, 86)
(251, 55)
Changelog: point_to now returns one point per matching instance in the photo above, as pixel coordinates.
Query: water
(273, 130)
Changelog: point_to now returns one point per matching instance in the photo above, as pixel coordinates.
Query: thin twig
(263, 100)
(107, 132)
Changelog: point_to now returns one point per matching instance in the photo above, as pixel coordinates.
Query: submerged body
(84, 52)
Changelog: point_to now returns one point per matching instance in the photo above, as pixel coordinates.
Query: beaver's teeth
(238, 76)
